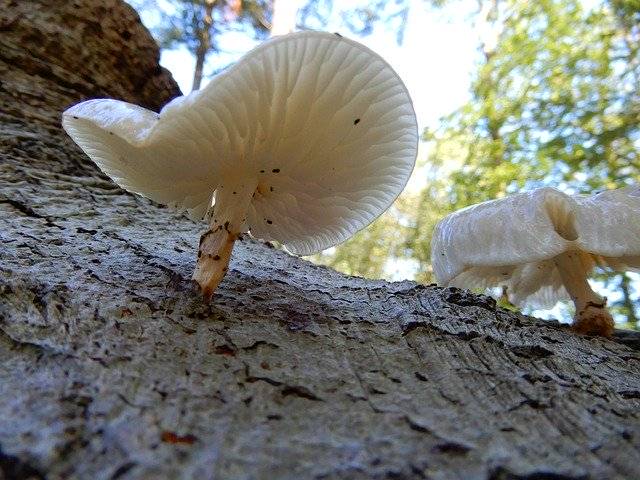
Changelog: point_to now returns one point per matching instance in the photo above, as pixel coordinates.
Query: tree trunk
(199, 68)
(204, 43)
(112, 367)
(627, 303)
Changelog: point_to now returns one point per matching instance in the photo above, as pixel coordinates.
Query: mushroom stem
(216, 244)
(592, 316)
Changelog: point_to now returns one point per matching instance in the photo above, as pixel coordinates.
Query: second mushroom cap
(542, 246)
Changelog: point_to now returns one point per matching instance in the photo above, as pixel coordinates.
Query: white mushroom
(542, 246)
(306, 140)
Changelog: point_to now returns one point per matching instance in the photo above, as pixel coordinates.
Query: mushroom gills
(216, 244)
(592, 316)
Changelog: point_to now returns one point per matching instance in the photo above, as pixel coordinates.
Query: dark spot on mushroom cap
(170, 437)
(276, 170)
(356, 121)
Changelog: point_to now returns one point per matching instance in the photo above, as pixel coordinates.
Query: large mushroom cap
(513, 241)
(322, 125)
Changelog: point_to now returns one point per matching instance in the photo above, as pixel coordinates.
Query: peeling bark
(112, 366)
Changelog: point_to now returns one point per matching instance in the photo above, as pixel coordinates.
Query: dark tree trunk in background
(112, 367)
(627, 302)
(204, 43)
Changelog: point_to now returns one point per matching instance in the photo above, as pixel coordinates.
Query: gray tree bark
(112, 367)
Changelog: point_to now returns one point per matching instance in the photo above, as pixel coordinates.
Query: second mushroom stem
(216, 244)
(592, 316)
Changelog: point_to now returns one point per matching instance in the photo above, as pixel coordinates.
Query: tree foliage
(359, 17)
(197, 24)
(188, 19)
(557, 102)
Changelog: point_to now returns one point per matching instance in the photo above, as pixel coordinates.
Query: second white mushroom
(543, 246)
